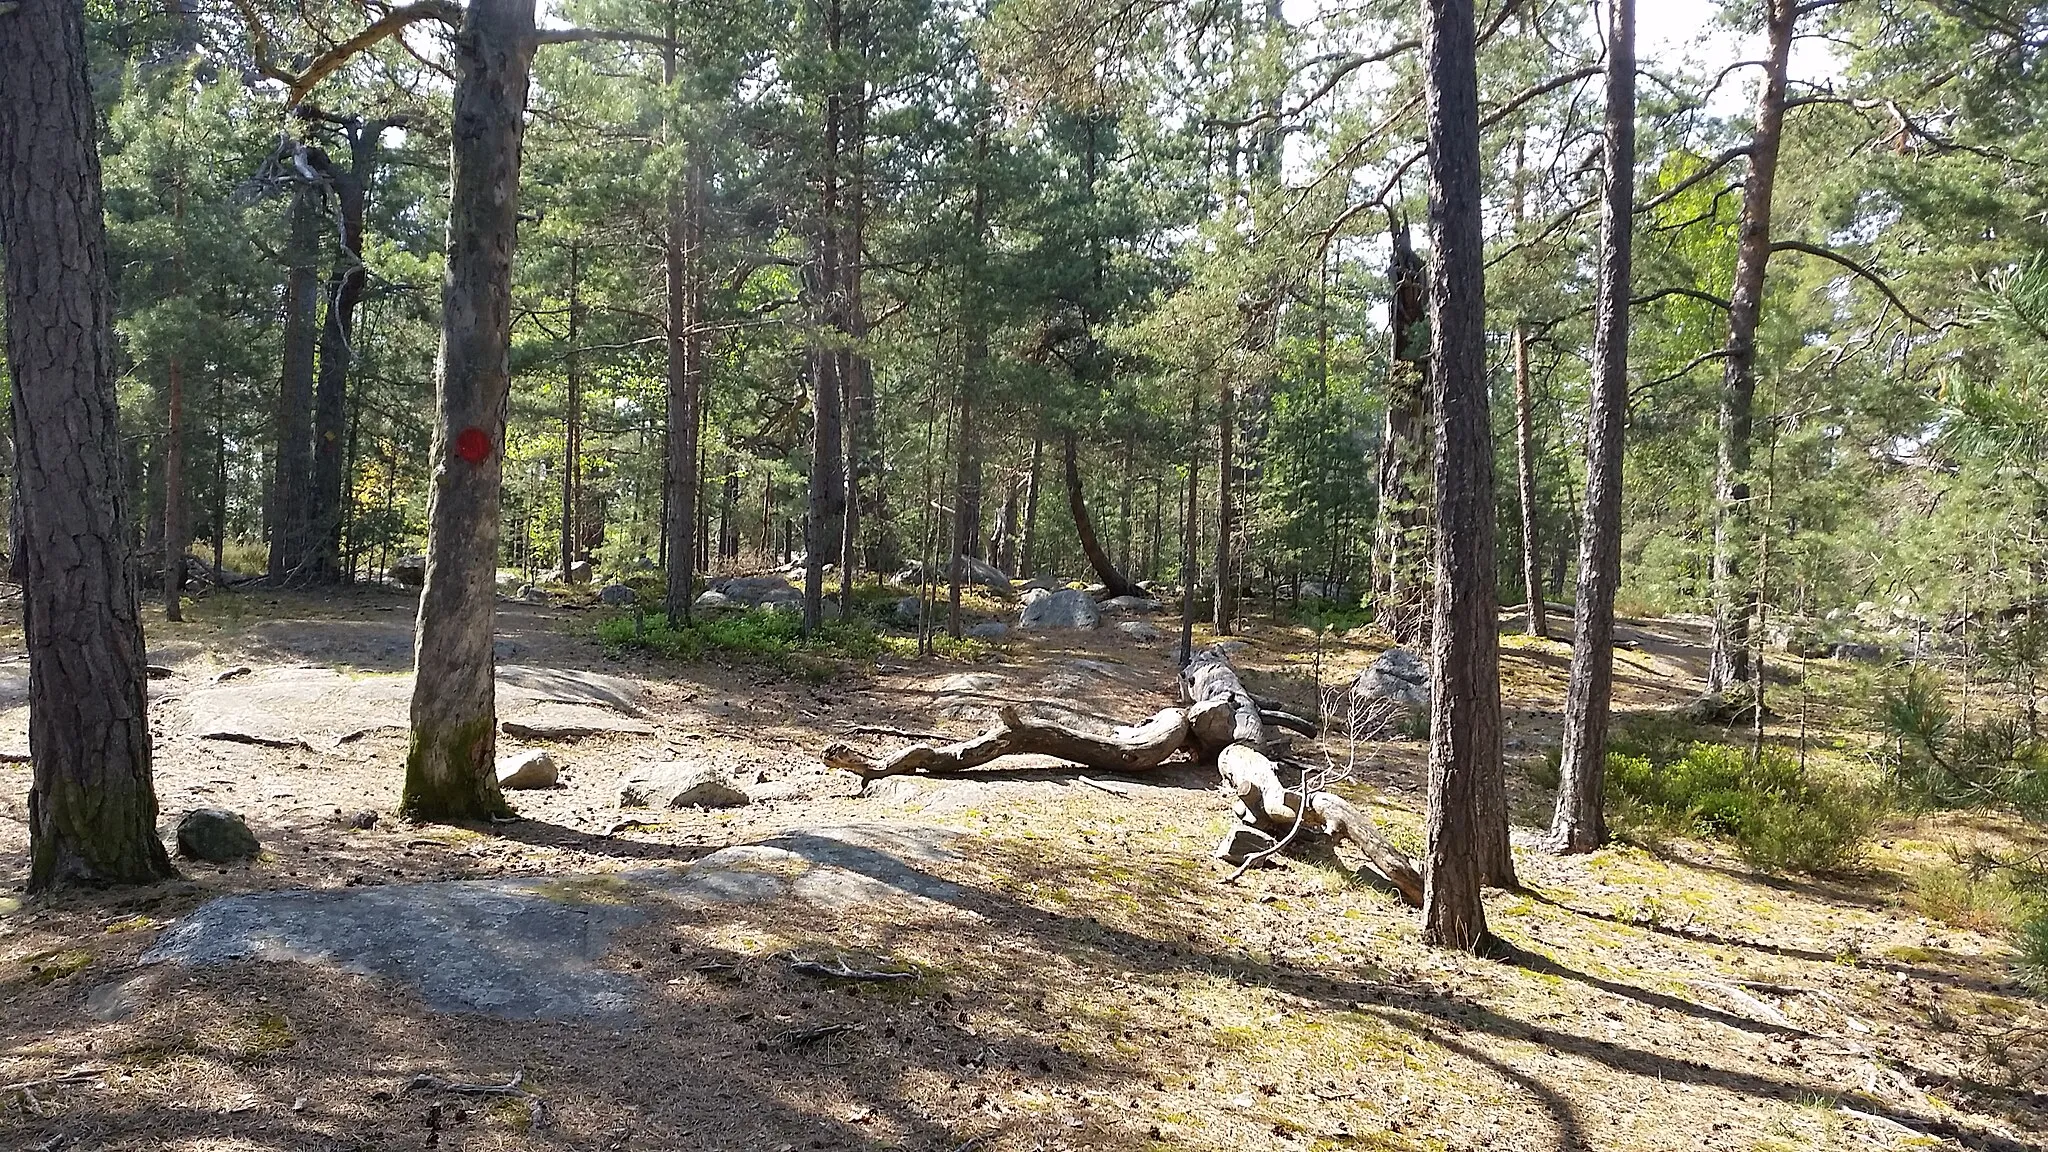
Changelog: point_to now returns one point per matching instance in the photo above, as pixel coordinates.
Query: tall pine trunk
(572, 415)
(1580, 822)
(175, 532)
(1027, 542)
(1225, 605)
(1728, 659)
(449, 768)
(291, 517)
(825, 510)
(1535, 610)
(92, 801)
(681, 255)
(1464, 849)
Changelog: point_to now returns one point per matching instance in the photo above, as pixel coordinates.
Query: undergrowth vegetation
(777, 639)
(1663, 780)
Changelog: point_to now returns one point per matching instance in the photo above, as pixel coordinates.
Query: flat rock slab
(843, 867)
(307, 707)
(514, 949)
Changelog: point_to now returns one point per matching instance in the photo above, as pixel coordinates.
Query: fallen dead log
(1264, 801)
(1222, 722)
(1127, 749)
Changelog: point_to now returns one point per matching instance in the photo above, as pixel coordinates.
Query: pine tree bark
(92, 804)
(862, 464)
(966, 494)
(1401, 543)
(825, 511)
(291, 522)
(449, 770)
(1728, 657)
(1464, 850)
(1580, 821)
(344, 293)
(1188, 573)
(1535, 610)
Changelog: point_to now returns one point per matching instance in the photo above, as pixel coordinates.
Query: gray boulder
(677, 784)
(973, 571)
(714, 602)
(760, 591)
(534, 769)
(532, 595)
(1399, 676)
(1064, 609)
(410, 571)
(988, 630)
(1140, 630)
(1132, 604)
(1864, 653)
(618, 596)
(1042, 584)
(215, 835)
(910, 609)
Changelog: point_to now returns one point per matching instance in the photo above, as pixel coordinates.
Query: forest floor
(1086, 977)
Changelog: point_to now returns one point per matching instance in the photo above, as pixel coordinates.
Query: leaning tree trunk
(1027, 535)
(1580, 823)
(449, 769)
(291, 519)
(1401, 559)
(1188, 571)
(91, 804)
(1077, 501)
(1464, 847)
(1728, 658)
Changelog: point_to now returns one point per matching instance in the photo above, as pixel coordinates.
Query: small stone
(215, 835)
(679, 784)
(531, 769)
(363, 820)
(618, 596)
(1141, 630)
(1243, 842)
(989, 630)
(532, 595)
(713, 602)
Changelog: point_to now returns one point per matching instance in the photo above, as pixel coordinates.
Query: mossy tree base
(450, 774)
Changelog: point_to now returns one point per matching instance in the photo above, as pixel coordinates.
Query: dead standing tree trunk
(1401, 560)
(1579, 824)
(449, 769)
(1728, 660)
(344, 293)
(92, 802)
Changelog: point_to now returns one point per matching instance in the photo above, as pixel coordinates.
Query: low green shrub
(774, 638)
(1319, 615)
(1662, 780)
(1936, 761)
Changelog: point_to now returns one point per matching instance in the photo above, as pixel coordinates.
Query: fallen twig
(805, 1037)
(536, 1107)
(841, 971)
(71, 1077)
(1112, 789)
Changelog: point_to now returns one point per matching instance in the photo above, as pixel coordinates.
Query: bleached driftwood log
(1221, 723)
(1128, 749)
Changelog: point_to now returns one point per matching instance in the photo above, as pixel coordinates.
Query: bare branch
(383, 28)
(1867, 274)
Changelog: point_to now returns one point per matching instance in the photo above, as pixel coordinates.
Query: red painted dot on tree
(473, 445)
